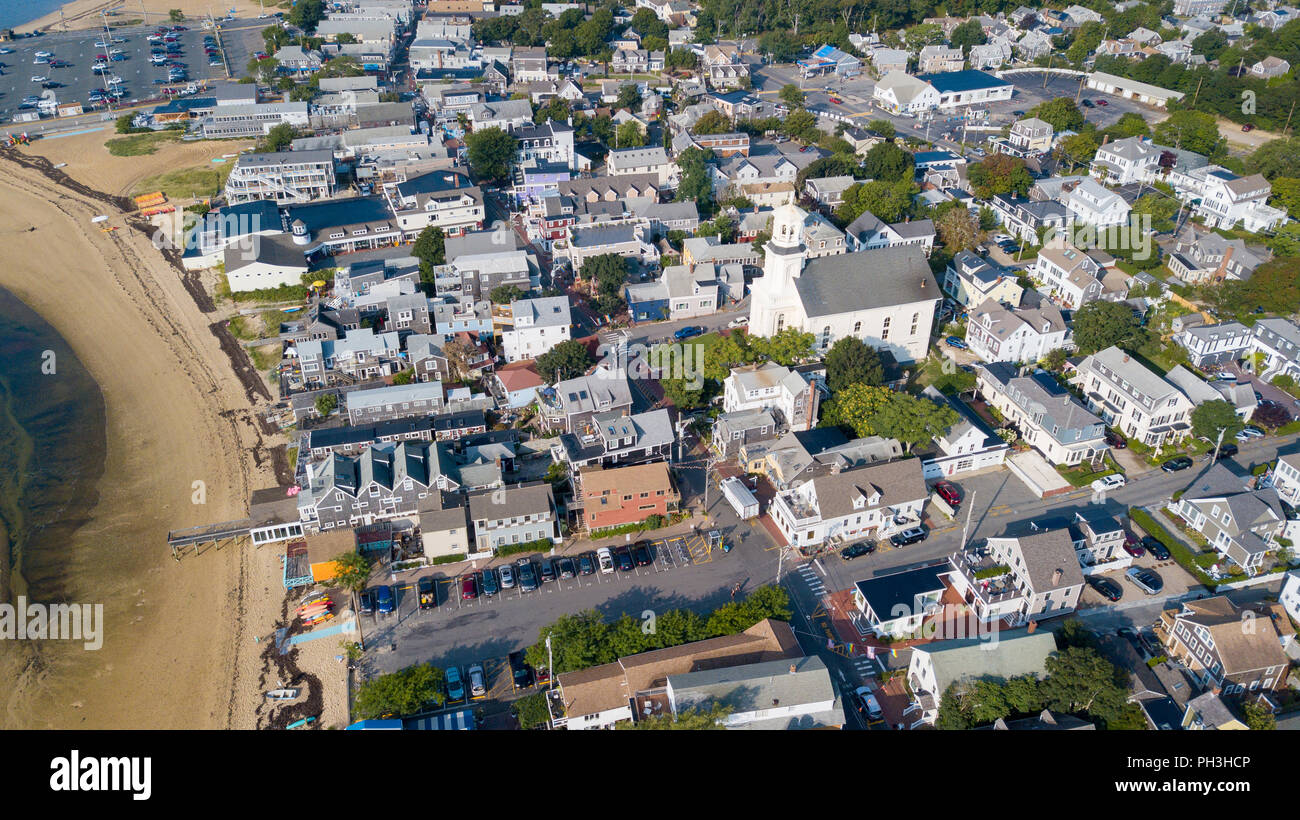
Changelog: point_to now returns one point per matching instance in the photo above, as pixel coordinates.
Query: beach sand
(179, 648)
(84, 14)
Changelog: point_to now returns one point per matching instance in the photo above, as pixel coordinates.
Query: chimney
(1105, 139)
(1056, 577)
(792, 669)
(922, 283)
(776, 702)
(1033, 625)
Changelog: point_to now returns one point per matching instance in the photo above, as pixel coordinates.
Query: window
(857, 328)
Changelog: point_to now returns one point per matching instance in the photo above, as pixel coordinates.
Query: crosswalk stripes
(813, 581)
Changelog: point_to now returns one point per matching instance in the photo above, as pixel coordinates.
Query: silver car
(507, 574)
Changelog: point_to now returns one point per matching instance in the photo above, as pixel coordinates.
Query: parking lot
(78, 49)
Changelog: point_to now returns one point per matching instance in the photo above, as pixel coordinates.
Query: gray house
(732, 431)
(381, 483)
(513, 515)
(399, 401)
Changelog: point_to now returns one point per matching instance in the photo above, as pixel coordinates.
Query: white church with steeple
(887, 297)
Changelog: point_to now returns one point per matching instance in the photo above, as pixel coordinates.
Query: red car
(469, 587)
(948, 492)
(1132, 546)
(1246, 127)
(835, 99)
(1102, 102)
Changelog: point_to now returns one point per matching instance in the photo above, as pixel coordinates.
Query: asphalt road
(137, 73)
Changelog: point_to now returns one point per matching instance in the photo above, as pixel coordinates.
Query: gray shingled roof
(878, 278)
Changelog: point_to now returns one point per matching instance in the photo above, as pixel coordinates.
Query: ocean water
(52, 446)
(14, 13)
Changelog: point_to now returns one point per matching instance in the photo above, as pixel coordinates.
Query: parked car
(1176, 463)
(1103, 103)
(908, 536)
(1003, 237)
(949, 492)
(587, 563)
(455, 685)
(623, 557)
(1248, 127)
(1145, 579)
(520, 672)
(1108, 482)
(527, 575)
(1158, 550)
(688, 332)
(547, 570)
(1087, 103)
(956, 341)
(367, 600)
(1248, 432)
(857, 550)
(1132, 546)
(739, 321)
(1228, 451)
(641, 553)
(507, 573)
(428, 592)
(606, 560)
(1115, 440)
(1106, 588)
(477, 682)
(469, 587)
(867, 703)
(488, 582)
(564, 566)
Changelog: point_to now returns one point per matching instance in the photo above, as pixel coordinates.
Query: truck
(428, 593)
(740, 498)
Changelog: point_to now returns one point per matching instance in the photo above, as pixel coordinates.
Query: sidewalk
(583, 543)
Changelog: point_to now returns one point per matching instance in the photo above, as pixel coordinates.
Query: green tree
(696, 183)
(969, 33)
(430, 248)
(1208, 418)
(578, 641)
(787, 347)
(1024, 694)
(1286, 242)
(1078, 149)
(407, 692)
(278, 138)
(352, 571)
(682, 393)
(325, 404)
(952, 716)
(176, 15)
(886, 161)
(1211, 44)
(1190, 131)
(712, 122)
(629, 135)
(504, 294)
(490, 153)
(1258, 716)
(1275, 158)
(1161, 208)
(1130, 124)
(1086, 39)
(305, 14)
(341, 66)
(1074, 633)
(1286, 195)
(856, 407)
(999, 174)
(1080, 681)
(1099, 325)
(1275, 287)
(531, 711)
(568, 359)
(693, 719)
(801, 125)
(1061, 113)
(958, 229)
(884, 128)
(889, 202)
(852, 361)
(791, 96)
(403, 377)
(913, 419)
(985, 702)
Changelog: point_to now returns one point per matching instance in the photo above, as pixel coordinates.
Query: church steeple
(775, 300)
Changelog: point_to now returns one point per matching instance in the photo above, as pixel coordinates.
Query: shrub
(540, 545)
(1177, 549)
(454, 558)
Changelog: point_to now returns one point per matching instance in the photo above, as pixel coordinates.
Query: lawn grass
(932, 374)
(265, 357)
(137, 145)
(245, 327)
(185, 183)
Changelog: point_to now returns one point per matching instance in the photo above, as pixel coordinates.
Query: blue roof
(318, 216)
(969, 80)
(181, 106)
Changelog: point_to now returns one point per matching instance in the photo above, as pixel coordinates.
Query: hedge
(454, 558)
(1177, 549)
(540, 545)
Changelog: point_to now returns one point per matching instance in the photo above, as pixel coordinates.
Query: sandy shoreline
(179, 649)
(84, 14)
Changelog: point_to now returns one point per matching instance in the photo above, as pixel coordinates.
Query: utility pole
(1286, 127)
(1198, 91)
(970, 509)
(1219, 443)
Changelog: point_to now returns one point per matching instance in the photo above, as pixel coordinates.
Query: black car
(527, 575)
(428, 592)
(1115, 440)
(1176, 463)
(1106, 588)
(564, 566)
(520, 672)
(1087, 103)
(587, 563)
(548, 570)
(623, 558)
(908, 536)
(857, 551)
(1158, 550)
(641, 553)
(1227, 451)
(367, 599)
